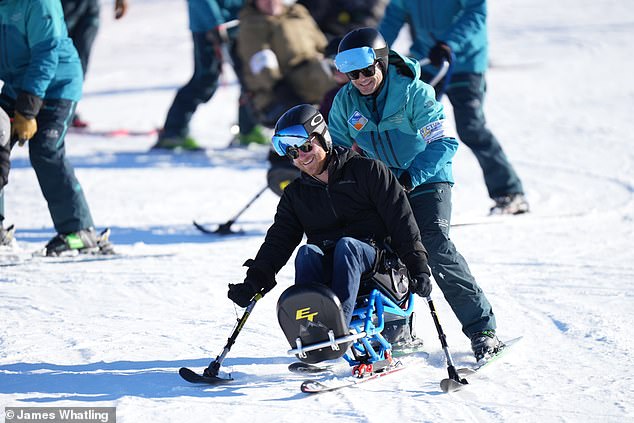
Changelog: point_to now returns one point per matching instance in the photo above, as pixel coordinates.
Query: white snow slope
(115, 332)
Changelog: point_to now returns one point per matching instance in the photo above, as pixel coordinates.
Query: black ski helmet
(367, 37)
(301, 121)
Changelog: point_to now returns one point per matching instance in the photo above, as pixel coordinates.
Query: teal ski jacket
(402, 125)
(461, 24)
(205, 15)
(36, 55)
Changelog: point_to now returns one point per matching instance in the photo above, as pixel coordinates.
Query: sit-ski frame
(364, 330)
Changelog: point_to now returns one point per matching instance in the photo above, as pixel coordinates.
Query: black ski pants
(431, 204)
(61, 189)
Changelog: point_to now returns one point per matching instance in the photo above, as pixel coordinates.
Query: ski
(193, 377)
(318, 386)
(513, 218)
(450, 385)
(501, 353)
(305, 368)
(20, 258)
(410, 348)
(103, 250)
(114, 133)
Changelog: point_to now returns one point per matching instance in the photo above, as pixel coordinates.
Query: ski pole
(225, 228)
(214, 367)
(451, 369)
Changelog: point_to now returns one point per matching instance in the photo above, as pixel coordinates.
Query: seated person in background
(281, 49)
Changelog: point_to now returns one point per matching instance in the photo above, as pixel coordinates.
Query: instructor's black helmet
(296, 125)
(361, 46)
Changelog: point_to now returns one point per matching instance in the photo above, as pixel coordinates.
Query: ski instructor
(394, 117)
(346, 204)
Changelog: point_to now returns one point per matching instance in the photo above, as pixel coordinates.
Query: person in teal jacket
(393, 117)
(42, 83)
(455, 31)
(211, 39)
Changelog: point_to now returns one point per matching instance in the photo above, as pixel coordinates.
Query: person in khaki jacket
(281, 48)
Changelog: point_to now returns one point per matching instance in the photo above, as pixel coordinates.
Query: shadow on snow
(159, 235)
(44, 382)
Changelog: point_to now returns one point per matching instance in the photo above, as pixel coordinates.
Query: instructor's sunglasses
(293, 152)
(367, 72)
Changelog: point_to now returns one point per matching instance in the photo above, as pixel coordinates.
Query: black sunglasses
(367, 72)
(293, 152)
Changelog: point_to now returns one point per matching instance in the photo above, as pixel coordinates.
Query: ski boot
(510, 204)
(485, 344)
(177, 143)
(84, 241)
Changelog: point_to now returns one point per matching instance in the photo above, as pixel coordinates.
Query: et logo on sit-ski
(304, 313)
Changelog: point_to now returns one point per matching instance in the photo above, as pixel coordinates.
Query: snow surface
(115, 332)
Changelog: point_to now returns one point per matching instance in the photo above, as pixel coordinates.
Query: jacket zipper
(332, 207)
(375, 145)
(389, 143)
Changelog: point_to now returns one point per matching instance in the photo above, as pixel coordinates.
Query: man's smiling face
(313, 161)
(369, 84)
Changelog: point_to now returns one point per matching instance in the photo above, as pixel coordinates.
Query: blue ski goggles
(289, 140)
(355, 59)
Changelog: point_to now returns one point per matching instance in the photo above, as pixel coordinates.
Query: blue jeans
(466, 93)
(340, 269)
(431, 204)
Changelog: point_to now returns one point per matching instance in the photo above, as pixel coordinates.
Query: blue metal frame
(369, 317)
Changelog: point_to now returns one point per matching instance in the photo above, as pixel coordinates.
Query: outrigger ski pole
(225, 228)
(210, 374)
(454, 382)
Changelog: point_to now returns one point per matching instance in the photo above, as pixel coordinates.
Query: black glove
(242, 293)
(439, 53)
(406, 181)
(255, 282)
(420, 285)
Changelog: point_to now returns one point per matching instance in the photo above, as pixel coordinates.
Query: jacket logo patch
(357, 120)
(434, 131)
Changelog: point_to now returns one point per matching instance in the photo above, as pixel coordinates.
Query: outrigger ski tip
(223, 229)
(453, 384)
(193, 377)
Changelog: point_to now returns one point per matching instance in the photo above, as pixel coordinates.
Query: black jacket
(362, 200)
